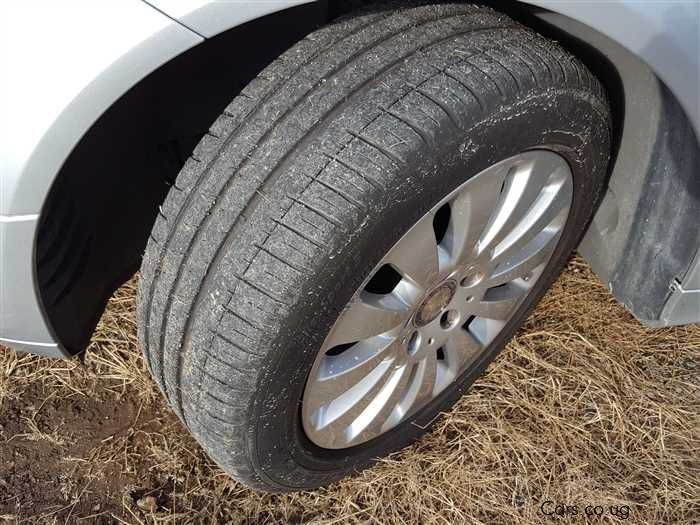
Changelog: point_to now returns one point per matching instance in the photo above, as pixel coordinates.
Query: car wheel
(362, 231)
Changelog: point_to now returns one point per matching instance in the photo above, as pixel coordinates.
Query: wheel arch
(97, 215)
(642, 242)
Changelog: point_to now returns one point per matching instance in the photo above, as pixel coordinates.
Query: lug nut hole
(449, 319)
(413, 343)
(471, 278)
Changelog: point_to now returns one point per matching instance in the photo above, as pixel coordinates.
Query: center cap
(435, 303)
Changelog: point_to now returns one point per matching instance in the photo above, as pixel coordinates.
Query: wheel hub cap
(435, 303)
(437, 299)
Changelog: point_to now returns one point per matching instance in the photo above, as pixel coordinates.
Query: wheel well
(98, 215)
(101, 207)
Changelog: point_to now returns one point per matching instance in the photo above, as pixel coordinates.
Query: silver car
(341, 211)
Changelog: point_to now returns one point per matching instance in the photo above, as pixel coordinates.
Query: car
(341, 211)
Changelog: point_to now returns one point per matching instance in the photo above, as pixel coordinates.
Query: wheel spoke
(548, 209)
(470, 212)
(522, 264)
(485, 330)
(341, 372)
(462, 348)
(547, 164)
(415, 256)
(347, 383)
(366, 316)
(428, 376)
(498, 308)
(523, 187)
(336, 414)
(377, 411)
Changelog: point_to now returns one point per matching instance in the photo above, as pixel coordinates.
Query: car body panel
(22, 323)
(684, 305)
(665, 34)
(98, 51)
(209, 18)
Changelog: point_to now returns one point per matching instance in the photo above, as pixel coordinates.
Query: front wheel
(362, 231)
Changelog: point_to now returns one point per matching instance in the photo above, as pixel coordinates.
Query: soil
(43, 469)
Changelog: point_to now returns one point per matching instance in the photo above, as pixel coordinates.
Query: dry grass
(585, 407)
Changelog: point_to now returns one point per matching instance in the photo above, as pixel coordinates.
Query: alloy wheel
(436, 300)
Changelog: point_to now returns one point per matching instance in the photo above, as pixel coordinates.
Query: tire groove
(467, 88)
(278, 258)
(488, 76)
(411, 124)
(510, 73)
(444, 107)
(229, 341)
(233, 312)
(344, 195)
(382, 149)
(318, 212)
(300, 234)
(354, 169)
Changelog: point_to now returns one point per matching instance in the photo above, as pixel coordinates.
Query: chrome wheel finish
(437, 299)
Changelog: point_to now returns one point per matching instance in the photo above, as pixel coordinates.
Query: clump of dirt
(77, 439)
(51, 445)
(587, 417)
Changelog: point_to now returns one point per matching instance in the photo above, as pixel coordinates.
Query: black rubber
(302, 185)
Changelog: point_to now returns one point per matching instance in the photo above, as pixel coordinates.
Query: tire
(307, 180)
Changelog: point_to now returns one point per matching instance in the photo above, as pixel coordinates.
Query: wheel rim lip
(328, 440)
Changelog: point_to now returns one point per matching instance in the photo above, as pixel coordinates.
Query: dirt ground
(587, 417)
